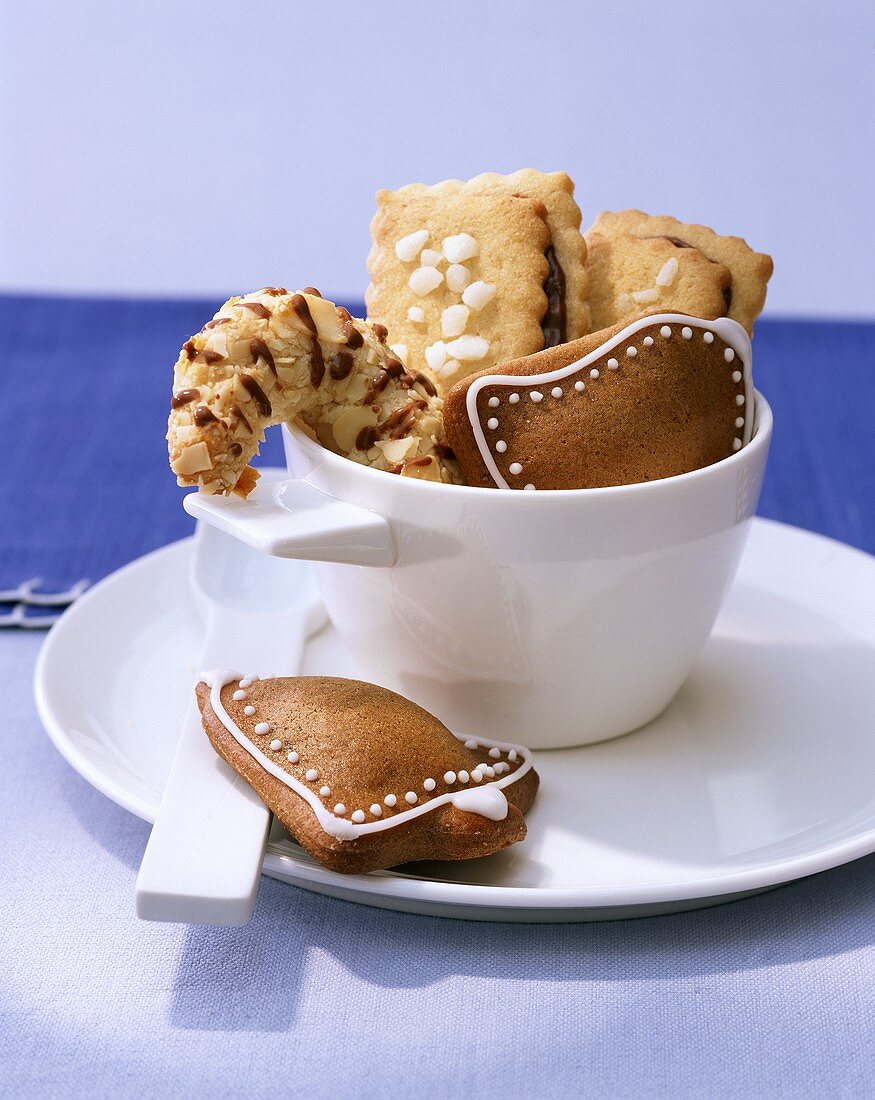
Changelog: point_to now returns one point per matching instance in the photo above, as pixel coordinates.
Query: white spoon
(203, 859)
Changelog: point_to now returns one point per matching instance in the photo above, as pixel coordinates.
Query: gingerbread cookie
(662, 396)
(468, 275)
(363, 778)
(273, 356)
(639, 263)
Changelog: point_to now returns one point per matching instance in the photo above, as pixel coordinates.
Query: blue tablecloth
(769, 997)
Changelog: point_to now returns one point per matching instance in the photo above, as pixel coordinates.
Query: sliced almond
(348, 425)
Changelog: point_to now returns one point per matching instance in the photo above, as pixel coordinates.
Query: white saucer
(760, 771)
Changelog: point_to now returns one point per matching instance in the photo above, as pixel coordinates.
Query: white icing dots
(340, 809)
(579, 386)
(536, 396)
(612, 364)
(530, 487)
(429, 785)
(449, 778)
(311, 775)
(512, 755)
(594, 373)
(493, 402)
(514, 399)
(665, 331)
(358, 816)
(238, 695)
(492, 423)
(556, 391)
(246, 682)
(409, 247)
(708, 337)
(411, 797)
(325, 791)
(292, 757)
(687, 333)
(736, 444)
(736, 376)
(501, 446)
(631, 352)
(391, 800)
(249, 710)
(739, 399)
(276, 744)
(262, 727)
(739, 421)
(377, 810)
(729, 355)
(470, 743)
(495, 752)
(463, 776)
(477, 775)
(515, 468)
(647, 341)
(490, 772)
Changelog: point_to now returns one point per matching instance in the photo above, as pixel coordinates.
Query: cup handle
(293, 519)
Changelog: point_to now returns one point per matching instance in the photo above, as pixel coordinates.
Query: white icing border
(729, 331)
(341, 828)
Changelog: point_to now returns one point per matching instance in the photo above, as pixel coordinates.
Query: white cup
(551, 618)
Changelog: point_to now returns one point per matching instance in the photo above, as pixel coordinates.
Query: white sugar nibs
(647, 342)
(687, 332)
(739, 421)
(665, 331)
(513, 399)
(493, 402)
(391, 800)
(238, 695)
(642, 296)
(631, 352)
(458, 278)
(594, 373)
(492, 423)
(436, 354)
(416, 314)
(423, 280)
(453, 320)
(400, 350)
(495, 752)
(449, 778)
(463, 776)
(736, 444)
(249, 710)
(358, 816)
(529, 487)
(429, 785)
(340, 809)
(311, 775)
(377, 810)
(479, 294)
(736, 376)
(580, 386)
(515, 468)
(729, 355)
(430, 257)
(276, 745)
(460, 247)
(411, 797)
(501, 446)
(467, 348)
(708, 337)
(292, 757)
(739, 400)
(667, 273)
(262, 727)
(409, 247)
(612, 364)
(556, 391)
(536, 396)
(325, 791)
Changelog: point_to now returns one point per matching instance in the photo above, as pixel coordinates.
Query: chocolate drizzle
(340, 365)
(366, 438)
(312, 291)
(211, 356)
(189, 349)
(351, 335)
(257, 308)
(380, 331)
(393, 367)
(215, 323)
(425, 382)
(204, 416)
(183, 397)
(257, 393)
(259, 350)
(380, 382)
(317, 361)
(553, 323)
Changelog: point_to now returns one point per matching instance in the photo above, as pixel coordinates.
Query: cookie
(363, 778)
(273, 356)
(639, 263)
(458, 279)
(661, 396)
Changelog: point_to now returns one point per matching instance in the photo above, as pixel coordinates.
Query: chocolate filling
(553, 323)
